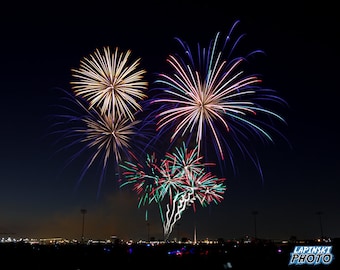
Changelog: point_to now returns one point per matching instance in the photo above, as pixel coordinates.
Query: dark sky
(41, 44)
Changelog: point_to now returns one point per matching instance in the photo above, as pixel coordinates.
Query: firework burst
(104, 140)
(109, 82)
(212, 101)
(179, 179)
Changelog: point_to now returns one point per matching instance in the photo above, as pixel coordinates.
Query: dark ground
(142, 256)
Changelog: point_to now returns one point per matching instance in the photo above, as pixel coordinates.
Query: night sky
(41, 44)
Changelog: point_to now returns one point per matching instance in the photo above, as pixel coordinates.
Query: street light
(255, 229)
(178, 234)
(148, 231)
(83, 211)
(320, 213)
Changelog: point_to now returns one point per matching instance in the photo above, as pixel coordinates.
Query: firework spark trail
(144, 177)
(207, 188)
(215, 100)
(171, 180)
(174, 211)
(186, 162)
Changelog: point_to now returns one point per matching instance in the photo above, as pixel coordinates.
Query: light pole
(255, 229)
(320, 213)
(178, 234)
(83, 211)
(148, 230)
